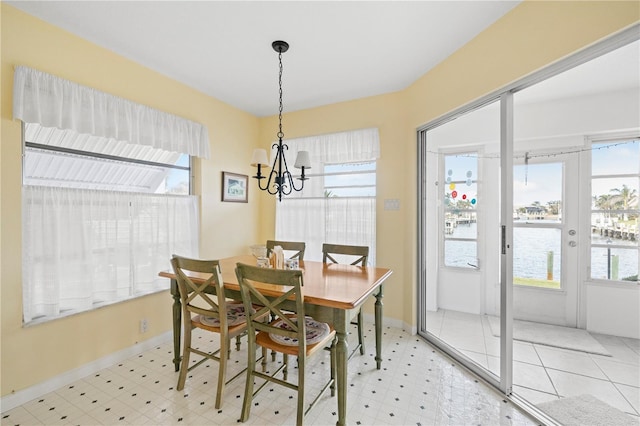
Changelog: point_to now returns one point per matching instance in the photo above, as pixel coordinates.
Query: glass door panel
(537, 225)
(537, 257)
(460, 227)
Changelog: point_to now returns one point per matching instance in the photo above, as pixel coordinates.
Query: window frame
(603, 140)
(442, 211)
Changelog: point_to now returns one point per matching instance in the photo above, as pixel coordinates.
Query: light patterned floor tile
(416, 386)
(570, 361)
(620, 372)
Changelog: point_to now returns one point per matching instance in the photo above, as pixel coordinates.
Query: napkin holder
(277, 258)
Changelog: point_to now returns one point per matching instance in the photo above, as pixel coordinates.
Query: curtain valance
(51, 101)
(343, 147)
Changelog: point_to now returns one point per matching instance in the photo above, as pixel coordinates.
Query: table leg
(177, 316)
(342, 348)
(378, 316)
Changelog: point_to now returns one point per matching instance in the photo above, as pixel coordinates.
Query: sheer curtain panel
(85, 248)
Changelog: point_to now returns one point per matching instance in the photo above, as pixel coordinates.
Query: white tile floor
(416, 386)
(543, 373)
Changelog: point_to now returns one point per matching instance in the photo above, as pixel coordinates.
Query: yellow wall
(531, 36)
(33, 354)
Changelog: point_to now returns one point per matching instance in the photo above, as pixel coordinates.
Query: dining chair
(284, 334)
(357, 255)
(204, 306)
(290, 246)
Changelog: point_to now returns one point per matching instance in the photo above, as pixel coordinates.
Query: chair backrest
(279, 308)
(206, 298)
(361, 252)
(295, 246)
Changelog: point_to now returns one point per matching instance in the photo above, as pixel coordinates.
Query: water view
(531, 258)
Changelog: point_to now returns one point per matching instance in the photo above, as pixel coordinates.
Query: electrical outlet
(144, 325)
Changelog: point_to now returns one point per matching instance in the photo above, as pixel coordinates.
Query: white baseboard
(23, 396)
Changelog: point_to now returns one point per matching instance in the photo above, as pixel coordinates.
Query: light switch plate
(392, 204)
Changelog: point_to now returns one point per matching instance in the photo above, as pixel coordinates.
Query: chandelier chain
(280, 134)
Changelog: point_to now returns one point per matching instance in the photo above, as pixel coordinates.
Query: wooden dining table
(332, 294)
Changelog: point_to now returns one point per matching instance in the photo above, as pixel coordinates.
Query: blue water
(530, 253)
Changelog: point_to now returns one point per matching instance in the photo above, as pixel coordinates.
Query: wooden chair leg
(285, 358)
(248, 388)
(238, 343)
(184, 364)
(222, 370)
(273, 353)
(301, 407)
(361, 332)
(332, 357)
(264, 359)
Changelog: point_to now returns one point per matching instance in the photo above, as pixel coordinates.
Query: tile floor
(543, 373)
(416, 386)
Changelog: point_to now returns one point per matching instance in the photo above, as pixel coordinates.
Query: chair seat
(315, 331)
(322, 334)
(234, 330)
(235, 316)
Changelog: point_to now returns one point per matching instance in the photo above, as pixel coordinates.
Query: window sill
(98, 305)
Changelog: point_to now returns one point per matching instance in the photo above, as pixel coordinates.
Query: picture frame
(235, 187)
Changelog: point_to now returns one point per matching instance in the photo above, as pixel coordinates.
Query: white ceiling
(340, 50)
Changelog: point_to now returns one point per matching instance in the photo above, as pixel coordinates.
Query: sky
(543, 182)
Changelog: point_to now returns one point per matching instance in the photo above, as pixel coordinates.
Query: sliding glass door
(528, 261)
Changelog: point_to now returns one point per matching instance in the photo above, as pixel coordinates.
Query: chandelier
(280, 180)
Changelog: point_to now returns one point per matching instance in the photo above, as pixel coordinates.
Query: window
(537, 222)
(459, 219)
(98, 227)
(615, 183)
(338, 204)
(68, 160)
(350, 179)
(105, 197)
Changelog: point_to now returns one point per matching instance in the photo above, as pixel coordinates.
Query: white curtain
(310, 216)
(82, 248)
(51, 101)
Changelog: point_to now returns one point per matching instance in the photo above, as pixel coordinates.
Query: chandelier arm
(268, 184)
(287, 176)
(272, 175)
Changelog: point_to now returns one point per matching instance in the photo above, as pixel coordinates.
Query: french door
(545, 238)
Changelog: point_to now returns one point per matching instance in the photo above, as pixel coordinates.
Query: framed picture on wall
(235, 187)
